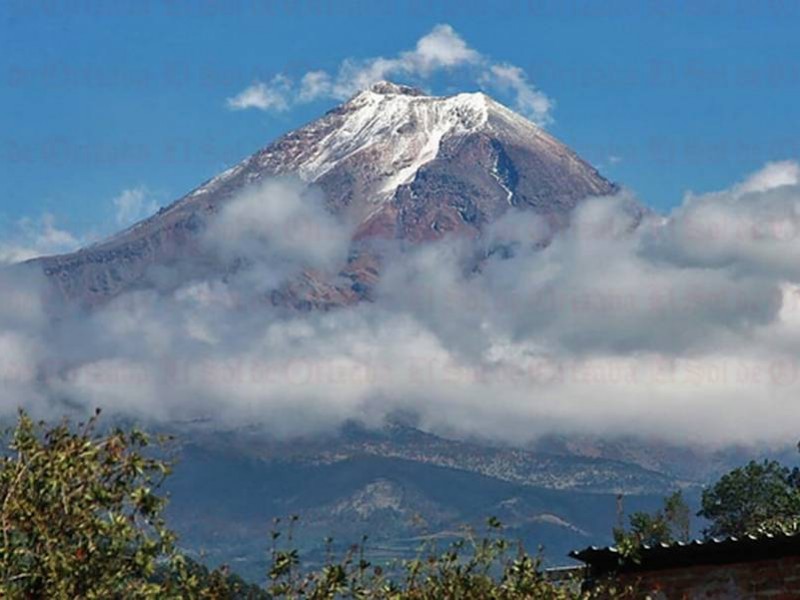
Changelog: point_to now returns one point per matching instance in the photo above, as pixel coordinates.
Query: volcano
(397, 162)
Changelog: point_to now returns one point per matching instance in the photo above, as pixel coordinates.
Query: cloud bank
(684, 327)
(441, 50)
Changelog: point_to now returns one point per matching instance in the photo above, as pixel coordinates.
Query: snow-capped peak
(386, 133)
(399, 128)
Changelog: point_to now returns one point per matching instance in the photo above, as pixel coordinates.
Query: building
(749, 567)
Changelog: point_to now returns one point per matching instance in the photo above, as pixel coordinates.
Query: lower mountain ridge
(399, 486)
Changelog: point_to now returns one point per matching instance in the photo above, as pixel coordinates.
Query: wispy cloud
(43, 236)
(36, 237)
(442, 49)
(132, 205)
(275, 95)
(529, 101)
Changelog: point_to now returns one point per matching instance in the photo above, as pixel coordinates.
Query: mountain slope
(394, 161)
(395, 441)
(222, 504)
(397, 484)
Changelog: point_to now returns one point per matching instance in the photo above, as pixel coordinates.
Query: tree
(665, 526)
(678, 515)
(81, 518)
(757, 498)
(80, 514)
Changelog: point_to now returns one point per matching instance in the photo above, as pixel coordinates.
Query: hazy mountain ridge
(398, 503)
(514, 465)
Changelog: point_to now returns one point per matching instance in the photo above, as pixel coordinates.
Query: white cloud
(43, 236)
(528, 100)
(314, 85)
(37, 237)
(133, 205)
(771, 176)
(613, 328)
(282, 227)
(272, 96)
(753, 228)
(442, 49)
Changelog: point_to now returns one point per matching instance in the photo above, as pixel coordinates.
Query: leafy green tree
(80, 515)
(758, 498)
(670, 524)
(81, 518)
(679, 516)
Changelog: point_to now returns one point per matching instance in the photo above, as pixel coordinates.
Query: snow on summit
(397, 129)
(400, 128)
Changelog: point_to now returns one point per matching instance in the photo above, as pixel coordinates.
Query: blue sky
(100, 101)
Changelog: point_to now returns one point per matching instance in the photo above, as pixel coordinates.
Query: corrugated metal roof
(696, 552)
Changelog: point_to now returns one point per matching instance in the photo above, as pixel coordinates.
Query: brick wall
(776, 579)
